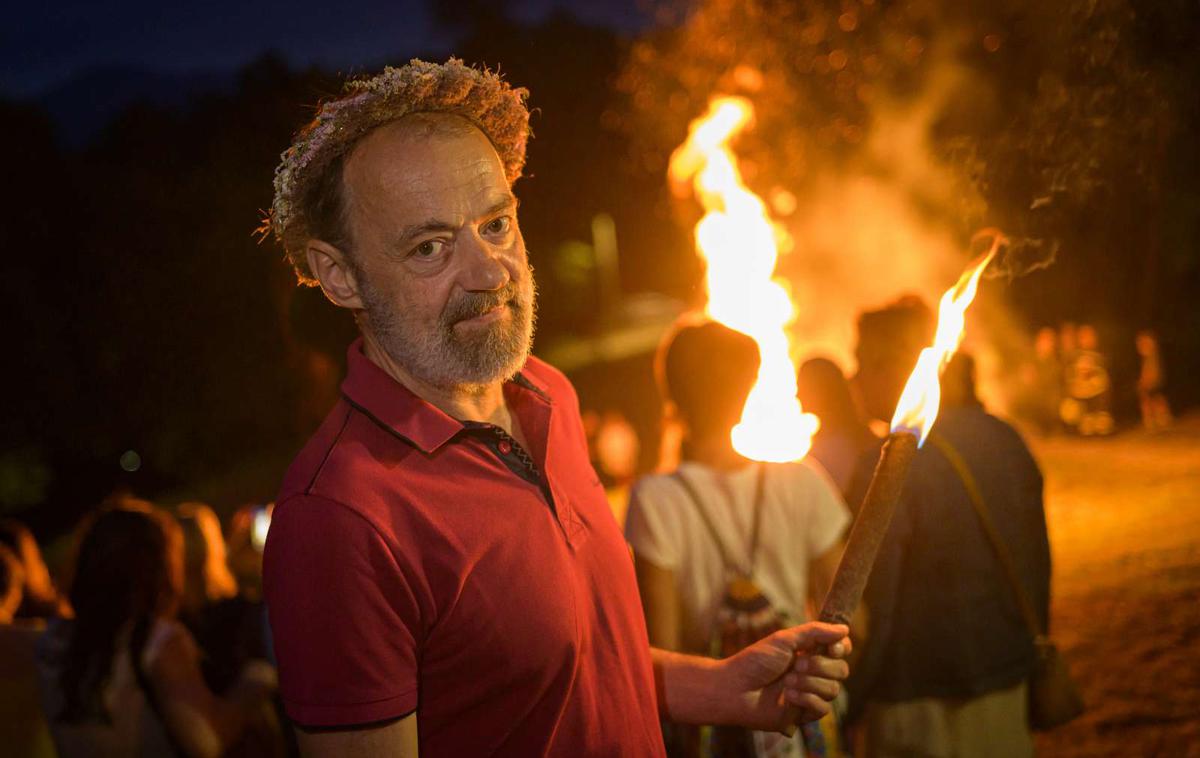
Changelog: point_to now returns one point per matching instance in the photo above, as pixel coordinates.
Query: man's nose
(483, 266)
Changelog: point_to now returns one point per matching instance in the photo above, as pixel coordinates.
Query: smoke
(1020, 256)
(892, 141)
(899, 217)
(874, 225)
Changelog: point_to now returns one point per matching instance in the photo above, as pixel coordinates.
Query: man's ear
(337, 277)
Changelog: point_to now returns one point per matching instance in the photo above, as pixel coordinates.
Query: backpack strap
(694, 496)
(1024, 604)
(760, 481)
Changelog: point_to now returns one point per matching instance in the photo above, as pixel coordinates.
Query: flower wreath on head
(478, 95)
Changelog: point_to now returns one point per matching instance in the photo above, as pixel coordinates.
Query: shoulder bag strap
(960, 467)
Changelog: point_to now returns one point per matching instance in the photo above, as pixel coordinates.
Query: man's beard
(443, 357)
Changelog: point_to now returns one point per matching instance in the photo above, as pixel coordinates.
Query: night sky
(43, 47)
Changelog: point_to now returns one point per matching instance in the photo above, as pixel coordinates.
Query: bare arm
(660, 600)
(770, 685)
(394, 739)
(202, 723)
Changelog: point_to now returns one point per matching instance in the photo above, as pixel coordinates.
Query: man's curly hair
(308, 196)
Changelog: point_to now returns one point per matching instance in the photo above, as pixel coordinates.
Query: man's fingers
(814, 634)
(810, 706)
(822, 666)
(839, 649)
(826, 689)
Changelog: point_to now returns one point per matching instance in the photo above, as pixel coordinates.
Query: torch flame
(918, 406)
(739, 243)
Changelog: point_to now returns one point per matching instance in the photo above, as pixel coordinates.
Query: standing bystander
(943, 669)
(1156, 412)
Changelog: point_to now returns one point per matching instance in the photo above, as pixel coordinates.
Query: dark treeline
(143, 314)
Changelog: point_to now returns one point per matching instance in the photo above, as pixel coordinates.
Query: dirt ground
(1124, 521)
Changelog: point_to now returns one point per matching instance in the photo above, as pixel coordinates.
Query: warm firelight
(918, 406)
(740, 245)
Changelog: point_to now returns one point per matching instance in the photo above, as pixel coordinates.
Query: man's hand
(788, 677)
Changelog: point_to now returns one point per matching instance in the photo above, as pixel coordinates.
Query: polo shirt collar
(391, 404)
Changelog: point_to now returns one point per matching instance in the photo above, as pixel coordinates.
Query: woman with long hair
(228, 626)
(122, 677)
(207, 578)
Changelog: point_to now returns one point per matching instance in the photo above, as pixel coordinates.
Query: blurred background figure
(1088, 401)
(944, 667)
(1068, 341)
(726, 550)
(12, 581)
(614, 447)
(247, 534)
(227, 625)
(39, 597)
(958, 385)
(123, 676)
(889, 341)
(1069, 411)
(23, 728)
(1042, 392)
(207, 579)
(823, 391)
(1156, 412)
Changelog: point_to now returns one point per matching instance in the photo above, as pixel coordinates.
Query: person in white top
(705, 371)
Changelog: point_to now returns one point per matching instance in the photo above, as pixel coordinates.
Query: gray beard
(444, 358)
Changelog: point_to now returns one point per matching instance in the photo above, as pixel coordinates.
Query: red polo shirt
(419, 563)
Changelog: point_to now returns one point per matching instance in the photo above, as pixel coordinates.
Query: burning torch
(914, 416)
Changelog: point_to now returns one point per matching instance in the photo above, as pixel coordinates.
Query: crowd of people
(1068, 387)
(727, 550)
(156, 643)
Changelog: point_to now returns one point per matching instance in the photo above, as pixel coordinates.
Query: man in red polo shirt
(443, 574)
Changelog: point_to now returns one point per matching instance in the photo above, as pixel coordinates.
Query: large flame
(918, 406)
(739, 244)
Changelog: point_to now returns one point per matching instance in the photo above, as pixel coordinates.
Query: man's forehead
(419, 146)
(413, 172)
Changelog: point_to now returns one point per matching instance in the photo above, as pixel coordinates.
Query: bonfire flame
(918, 406)
(739, 243)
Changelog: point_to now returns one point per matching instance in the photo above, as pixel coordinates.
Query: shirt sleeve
(651, 526)
(828, 516)
(344, 618)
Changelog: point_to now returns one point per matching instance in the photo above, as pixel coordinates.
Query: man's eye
(498, 225)
(428, 248)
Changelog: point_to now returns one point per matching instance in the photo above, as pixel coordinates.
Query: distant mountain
(84, 104)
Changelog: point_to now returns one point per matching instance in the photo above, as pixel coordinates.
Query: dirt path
(1124, 520)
